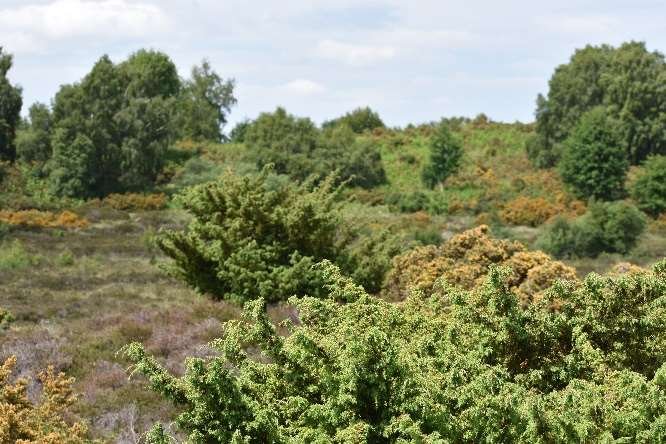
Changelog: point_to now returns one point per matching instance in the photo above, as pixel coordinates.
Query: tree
(72, 170)
(649, 188)
(205, 102)
(594, 163)
(10, 109)
(249, 240)
(150, 74)
(296, 147)
(146, 132)
(359, 120)
(111, 130)
(33, 143)
(356, 161)
(284, 140)
(445, 155)
(445, 366)
(627, 80)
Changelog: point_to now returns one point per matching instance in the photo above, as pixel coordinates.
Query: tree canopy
(628, 81)
(11, 102)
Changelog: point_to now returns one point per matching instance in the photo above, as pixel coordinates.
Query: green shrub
(605, 228)
(408, 202)
(451, 366)
(541, 157)
(195, 171)
(14, 256)
(65, 259)
(5, 229)
(594, 164)
(356, 161)
(248, 240)
(359, 120)
(445, 155)
(6, 319)
(649, 189)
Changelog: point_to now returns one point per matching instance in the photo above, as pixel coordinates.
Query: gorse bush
(43, 219)
(594, 164)
(248, 240)
(444, 366)
(532, 211)
(649, 188)
(135, 201)
(463, 261)
(605, 228)
(21, 421)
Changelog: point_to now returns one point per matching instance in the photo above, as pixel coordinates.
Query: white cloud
(61, 19)
(596, 24)
(304, 87)
(354, 54)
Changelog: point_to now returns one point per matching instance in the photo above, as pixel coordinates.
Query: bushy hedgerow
(463, 261)
(445, 366)
(606, 227)
(21, 421)
(649, 188)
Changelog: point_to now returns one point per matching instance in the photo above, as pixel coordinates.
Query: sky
(412, 60)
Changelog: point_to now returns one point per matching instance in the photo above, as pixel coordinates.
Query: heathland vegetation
(461, 280)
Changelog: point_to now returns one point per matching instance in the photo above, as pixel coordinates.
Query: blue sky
(412, 61)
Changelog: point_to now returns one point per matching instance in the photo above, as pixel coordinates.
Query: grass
(14, 256)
